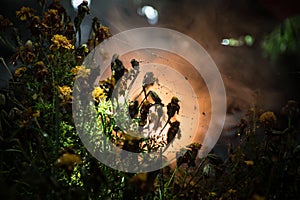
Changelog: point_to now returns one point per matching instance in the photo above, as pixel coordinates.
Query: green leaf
(13, 150)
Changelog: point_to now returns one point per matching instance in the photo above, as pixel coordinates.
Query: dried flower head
(102, 33)
(25, 13)
(40, 70)
(52, 22)
(69, 30)
(25, 54)
(56, 5)
(5, 23)
(268, 118)
(27, 115)
(35, 25)
(60, 42)
(291, 108)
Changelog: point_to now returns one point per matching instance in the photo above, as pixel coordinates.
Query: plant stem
(7, 69)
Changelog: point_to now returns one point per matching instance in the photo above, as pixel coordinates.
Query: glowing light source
(76, 3)
(225, 42)
(150, 13)
(243, 40)
(249, 40)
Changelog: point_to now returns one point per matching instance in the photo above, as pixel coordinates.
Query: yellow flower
(20, 71)
(60, 41)
(231, 191)
(249, 162)
(212, 194)
(40, 64)
(81, 71)
(98, 94)
(65, 93)
(268, 118)
(25, 13)
(67, 161)
(36, 113)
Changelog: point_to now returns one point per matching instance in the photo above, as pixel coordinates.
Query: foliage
(42, 156)
(262, 165)
(284, 39)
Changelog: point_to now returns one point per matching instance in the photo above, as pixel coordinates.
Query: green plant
(42, 156)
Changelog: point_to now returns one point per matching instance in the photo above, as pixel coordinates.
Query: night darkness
(255, 46)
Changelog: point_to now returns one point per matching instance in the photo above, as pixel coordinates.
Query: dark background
(244, 69)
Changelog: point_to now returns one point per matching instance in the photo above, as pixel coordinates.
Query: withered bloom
(35, 25)
(25, 13)
(61, 10)
(291, 108)
(5, 23)
(40, 70)
(81, 52)
(190, 155)
(102, 33)
(69, 31)
(25, 54)
(27, 115)
(268, 118)
(52, 22)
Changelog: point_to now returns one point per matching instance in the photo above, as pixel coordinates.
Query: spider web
(169, 83)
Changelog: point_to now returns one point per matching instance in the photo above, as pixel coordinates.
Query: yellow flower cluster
(65, 93)
(20, 71)
(60, 41)
(25, 13)
(98, 94)
(81, 71)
